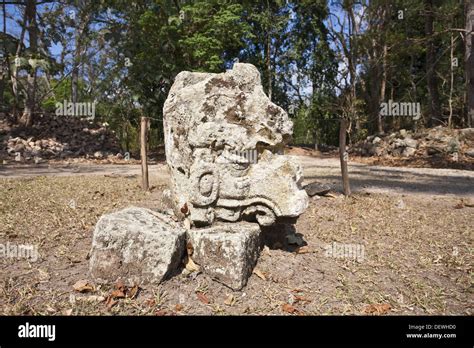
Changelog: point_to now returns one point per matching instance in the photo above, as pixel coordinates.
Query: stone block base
(227, 252)
(136, 245)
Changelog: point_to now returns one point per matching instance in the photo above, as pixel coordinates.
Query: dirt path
(19, 171)
(326, 170)
(424, 181)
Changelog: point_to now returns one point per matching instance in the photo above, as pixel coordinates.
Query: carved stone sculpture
(224, 143)
(224, 140)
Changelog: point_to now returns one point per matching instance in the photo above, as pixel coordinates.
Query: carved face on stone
(223, 137)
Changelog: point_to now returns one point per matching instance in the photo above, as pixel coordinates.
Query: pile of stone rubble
(436, 141)
(60, 137)
(29, 148)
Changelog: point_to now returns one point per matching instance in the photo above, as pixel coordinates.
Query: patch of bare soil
(440, 161)
(402, 254)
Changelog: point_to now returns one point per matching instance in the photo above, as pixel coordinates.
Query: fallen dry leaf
(117, 294)
(300, 299)
(380, 308)
(184, 208)
(230, 300)
(93, 299)
(133, 292)
(289, 308)
(150, 302)
(190, 265)
(110, 302)
(303, 250)
(120, 286)
(259, 274)
(83, 286)
(295, 291)
(202, 298)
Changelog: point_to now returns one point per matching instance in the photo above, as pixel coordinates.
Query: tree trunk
(7, 65)
(451, 84)
(27, 117)
(374, 80)
(127, 137)
(2, 89)
(14, 76)
(353, 32)
(469, 61)
(84, 22)
(383, 86)
(434, 108)
(378, 20)
(143, 151)
(268, 50)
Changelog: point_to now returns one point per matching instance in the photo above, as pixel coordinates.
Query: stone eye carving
(205, 185)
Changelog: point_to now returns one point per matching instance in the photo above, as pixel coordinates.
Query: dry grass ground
(417, 255)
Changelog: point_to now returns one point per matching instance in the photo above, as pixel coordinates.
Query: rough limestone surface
(227, 252)
(224, 139)
(136, 245)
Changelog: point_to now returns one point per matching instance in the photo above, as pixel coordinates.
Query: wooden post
(343, 156)
(143, 151)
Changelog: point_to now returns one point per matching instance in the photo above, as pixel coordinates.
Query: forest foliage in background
(319, 60)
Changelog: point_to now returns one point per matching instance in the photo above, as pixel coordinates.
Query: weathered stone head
(224, 141)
